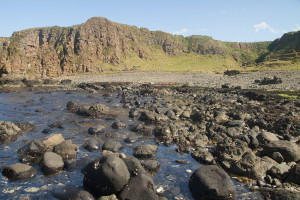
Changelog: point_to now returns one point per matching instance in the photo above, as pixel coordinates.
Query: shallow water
(44, 108)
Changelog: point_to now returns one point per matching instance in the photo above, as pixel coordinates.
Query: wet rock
(254, 143)
(148, 116)
(32, 152)
(52, 163)
(118, 125)
(132, 139)
(252, 166)
(221, 118)
(72, 106)
(47, 131)
(266, 137)
(66, 82)
(139, 187)
(110, 197)
(203, 156)
(162, 131)
(26, 126)
(76, 163)
(267, 81)
(289, 150)
(133, 113)
(52, 140)
(278, 194)
(143, 130)
(171, 114)
(112, 145)
(234, 131)
(72, 193)
(56, 125)
(92, 144)
(134, 166)
(279, 171)
(95, 110)
(106, 175)
(145, 151)
(151, 166)
(211, 182)
(19, 171)
(182, 162)
(227, 150)
(96, 130)
(66, 150)
(8, 131)
(294, 174)
(235, 123)
(186, 114)
(277, 157)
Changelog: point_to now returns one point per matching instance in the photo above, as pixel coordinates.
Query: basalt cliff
(99, 44)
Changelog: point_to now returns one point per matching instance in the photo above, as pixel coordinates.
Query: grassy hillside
(283, 53)
(100, 45)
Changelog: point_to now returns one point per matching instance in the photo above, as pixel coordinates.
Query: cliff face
(283, 51)
(53, 51)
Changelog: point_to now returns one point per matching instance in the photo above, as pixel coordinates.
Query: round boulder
(52, 163)
(145, 151)
(92, 144)
(106, 175)
(113, 146)
(19, 171)
(211, 182)
(66, 150)
(139, 187)
(96, 130)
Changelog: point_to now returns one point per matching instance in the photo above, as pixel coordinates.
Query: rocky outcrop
(89, 47)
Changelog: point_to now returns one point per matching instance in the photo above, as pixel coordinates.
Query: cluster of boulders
(111, 174)
(241, 131)
(246, 133)
(50, 154)
(268, 80)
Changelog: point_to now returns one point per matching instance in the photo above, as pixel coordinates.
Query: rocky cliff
(99, 43)
(283, 51)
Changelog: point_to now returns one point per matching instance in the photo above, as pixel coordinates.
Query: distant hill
(283, 51)
(100, 45)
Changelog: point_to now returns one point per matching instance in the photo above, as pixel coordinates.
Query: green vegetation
(101, 45)
(287, 96)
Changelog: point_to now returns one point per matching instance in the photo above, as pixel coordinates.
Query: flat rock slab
(19, 171)
(211, 182)
(52, 140)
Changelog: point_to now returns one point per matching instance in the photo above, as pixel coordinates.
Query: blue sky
(226, 20)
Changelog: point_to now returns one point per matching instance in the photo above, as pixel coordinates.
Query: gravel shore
(290, 79)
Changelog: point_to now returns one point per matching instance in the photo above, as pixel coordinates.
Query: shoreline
(290, 80)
